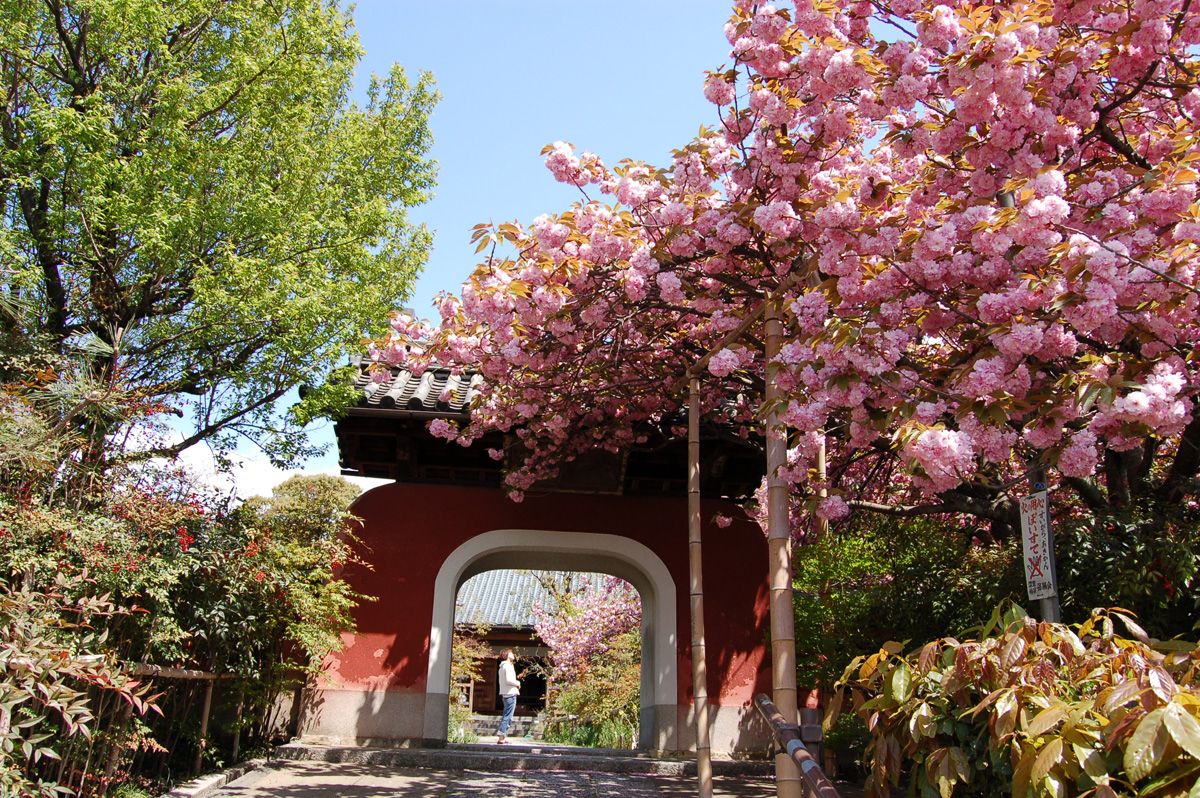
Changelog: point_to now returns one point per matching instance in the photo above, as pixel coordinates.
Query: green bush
(1144, 558)
(1032, 709)
(881, 579)
(602, 706)
(249, 591)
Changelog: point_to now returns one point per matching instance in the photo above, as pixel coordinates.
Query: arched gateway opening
(390, 685)
(445, 518)
(568, 551)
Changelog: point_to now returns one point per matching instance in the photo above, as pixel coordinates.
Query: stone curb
(515, 760)
(206, 785)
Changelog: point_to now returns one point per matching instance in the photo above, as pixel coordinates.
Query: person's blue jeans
(510, 704)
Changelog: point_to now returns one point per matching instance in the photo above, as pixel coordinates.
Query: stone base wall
(408, 719)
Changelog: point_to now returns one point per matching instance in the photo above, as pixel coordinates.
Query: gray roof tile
(505, 597)
(402, 390)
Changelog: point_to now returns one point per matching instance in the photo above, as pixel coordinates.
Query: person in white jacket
(510, 688)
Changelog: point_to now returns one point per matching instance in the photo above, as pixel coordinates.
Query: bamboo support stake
(779, 552)
(699, 666)
(237, 732)
(208, 691)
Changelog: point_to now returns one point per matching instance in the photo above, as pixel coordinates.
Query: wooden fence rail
(157, 672)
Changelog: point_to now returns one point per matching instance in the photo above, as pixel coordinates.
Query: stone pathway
(282, 779)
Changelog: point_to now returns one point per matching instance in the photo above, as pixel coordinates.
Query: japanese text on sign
(1035, 535)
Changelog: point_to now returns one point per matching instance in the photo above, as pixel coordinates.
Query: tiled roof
(504, 598)
(385, 434)
(402, 390)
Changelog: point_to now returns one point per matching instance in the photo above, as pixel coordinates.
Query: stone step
(519, 755)
(490, 724)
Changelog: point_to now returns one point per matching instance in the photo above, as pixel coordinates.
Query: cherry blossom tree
(978, 220)
(584, 625)
(594, 635)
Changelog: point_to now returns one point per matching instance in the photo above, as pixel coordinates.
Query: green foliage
(1143, 557)
(840, 583)
(876, 580)
(602, 705)
(850, 734)
(248, 590)
(457, 728)
(1032, 709)
(187, 186)
(916, 580)
(467, 653)
(909, 579)
(945, 578)
(130, 791)
(309, 508)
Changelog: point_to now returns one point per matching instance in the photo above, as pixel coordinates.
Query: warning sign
(1035, 535)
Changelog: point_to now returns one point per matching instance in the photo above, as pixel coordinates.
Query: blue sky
(620, 78)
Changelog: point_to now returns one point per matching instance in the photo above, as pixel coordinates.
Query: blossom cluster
(587, 623)
(981, 233)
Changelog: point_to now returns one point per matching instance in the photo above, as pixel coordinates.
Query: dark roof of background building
(505, 597)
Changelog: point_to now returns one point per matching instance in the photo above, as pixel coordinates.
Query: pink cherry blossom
(981, 238)
(724, 362)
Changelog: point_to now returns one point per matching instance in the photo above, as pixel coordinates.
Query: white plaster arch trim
(563, 551)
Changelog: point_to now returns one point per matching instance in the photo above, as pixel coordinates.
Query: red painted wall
(409, 531)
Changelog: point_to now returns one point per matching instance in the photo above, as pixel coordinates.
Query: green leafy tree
(292, 544)
(310, 507)
(186, 187)
(467, 653)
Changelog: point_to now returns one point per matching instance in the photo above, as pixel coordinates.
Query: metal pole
(779, 552)
(699, 666)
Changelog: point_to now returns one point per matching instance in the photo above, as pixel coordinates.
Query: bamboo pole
(208, 691)
(699, 666)
(779, 552)
(822, 523)
(237, 732)
(789, 737)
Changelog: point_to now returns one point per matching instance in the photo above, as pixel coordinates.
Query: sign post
(1037, 540)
